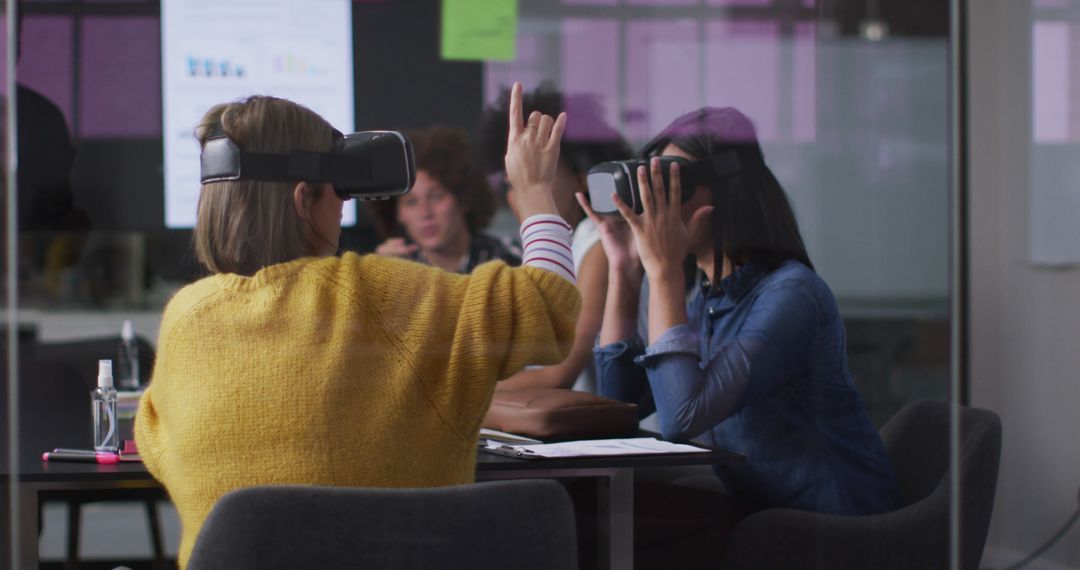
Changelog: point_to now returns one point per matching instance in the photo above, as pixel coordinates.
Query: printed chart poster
(215, 51)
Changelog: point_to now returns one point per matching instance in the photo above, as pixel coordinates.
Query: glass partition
(11, 537)
(851, 101)
(855, 105)
(88, 234)
(851, 105)
(1025, 268)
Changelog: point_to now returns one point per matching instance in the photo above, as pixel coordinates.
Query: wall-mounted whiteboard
(214, 51)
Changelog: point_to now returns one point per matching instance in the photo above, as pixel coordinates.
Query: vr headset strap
(718, 167)
(722, 165)
(339, 168)
(299, 165)
(309, 166)
(265, 166)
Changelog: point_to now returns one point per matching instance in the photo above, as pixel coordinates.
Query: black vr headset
(620, 177)
(370, 165)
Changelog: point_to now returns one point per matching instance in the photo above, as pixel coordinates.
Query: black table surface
(33, 469)
(492, 462)
(37, 471)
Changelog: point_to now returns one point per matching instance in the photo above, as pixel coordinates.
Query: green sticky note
(479, 29)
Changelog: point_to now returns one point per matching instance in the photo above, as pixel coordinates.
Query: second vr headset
(369, 165)
(620, 177)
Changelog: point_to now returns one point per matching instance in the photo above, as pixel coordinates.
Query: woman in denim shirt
(756, 363)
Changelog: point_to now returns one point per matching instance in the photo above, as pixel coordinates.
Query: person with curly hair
(441, 221)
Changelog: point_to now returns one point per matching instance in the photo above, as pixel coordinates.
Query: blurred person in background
(441, 221)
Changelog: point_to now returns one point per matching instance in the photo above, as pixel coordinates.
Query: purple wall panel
(663, 77)
(590, 66)
(1049, 81)
(663, 2)
(591, 2)
(741, 70)
(1073, 81)
(740, 2)
(525, 68)
(45, 61)
(804, 120)
(3, 51)
(120, 77)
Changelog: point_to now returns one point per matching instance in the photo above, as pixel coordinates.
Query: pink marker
(102, 457)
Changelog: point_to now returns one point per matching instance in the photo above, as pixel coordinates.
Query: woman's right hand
(617, 239)
(396, 247)
(532, 155)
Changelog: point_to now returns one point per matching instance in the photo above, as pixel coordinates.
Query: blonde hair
(245, 225)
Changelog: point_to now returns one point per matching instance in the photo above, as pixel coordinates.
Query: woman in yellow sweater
(292, 365)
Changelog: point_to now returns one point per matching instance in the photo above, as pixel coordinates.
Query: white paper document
(595, 448)
(495, 436)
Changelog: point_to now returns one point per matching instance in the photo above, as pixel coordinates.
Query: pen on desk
(518, 450)
(102, 457)
(90, 452)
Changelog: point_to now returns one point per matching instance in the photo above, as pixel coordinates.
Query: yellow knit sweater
(353, 371)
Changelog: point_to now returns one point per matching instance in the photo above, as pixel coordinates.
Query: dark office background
(116, 177)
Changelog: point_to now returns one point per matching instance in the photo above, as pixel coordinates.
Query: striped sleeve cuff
(545, 240)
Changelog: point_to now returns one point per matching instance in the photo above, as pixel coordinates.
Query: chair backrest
(506, 525)
(917, 441)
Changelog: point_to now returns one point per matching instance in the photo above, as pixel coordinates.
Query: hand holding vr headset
(649, 195)
(662, 236)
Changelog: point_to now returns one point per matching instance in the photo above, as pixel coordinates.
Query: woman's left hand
(532, 156)
(663, 239)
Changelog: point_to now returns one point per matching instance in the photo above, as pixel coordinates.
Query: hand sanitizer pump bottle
(128, 363)
(103, 400)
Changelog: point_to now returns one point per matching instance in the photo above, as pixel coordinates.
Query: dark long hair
(752, 218)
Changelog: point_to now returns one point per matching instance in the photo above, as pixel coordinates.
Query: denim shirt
(761, 369)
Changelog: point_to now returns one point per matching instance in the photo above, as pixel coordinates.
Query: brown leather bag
(556, 413)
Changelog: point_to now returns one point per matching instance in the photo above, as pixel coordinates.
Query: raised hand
(532, 155)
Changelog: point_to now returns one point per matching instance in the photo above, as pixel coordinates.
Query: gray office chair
(522, 525)
(913, 537)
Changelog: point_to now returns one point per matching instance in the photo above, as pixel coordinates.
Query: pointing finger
(515, 110)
